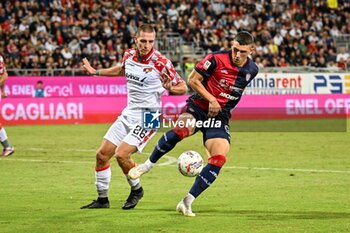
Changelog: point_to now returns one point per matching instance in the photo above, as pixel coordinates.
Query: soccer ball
(190, 163)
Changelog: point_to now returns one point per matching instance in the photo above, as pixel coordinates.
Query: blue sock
(204, 179)
(165, 144)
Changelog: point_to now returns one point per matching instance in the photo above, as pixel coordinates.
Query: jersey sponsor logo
(206, 65)
(147, 70)
(134, 79)
(224, 71)
(225, 84)
(228, 96)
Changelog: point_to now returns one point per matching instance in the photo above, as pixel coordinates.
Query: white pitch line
(170, 161)
(80, 150)
(45, 161)
(36, 149)
(65, 149)
(289, 169)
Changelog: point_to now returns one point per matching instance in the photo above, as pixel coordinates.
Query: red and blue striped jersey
(224, 80)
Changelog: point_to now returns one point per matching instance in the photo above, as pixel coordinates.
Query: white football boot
(138, 171)
(8, 151)
(186, 210)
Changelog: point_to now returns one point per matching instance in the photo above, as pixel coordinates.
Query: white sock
(3, 135)
(134, 184)
(103, 178)
(149, 164)
(188, 200)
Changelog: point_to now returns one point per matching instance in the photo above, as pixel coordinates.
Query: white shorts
(130, 131)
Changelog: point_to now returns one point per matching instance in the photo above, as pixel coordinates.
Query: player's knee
(217, 160)
(182, 132)
(101, 158)
(121, 157)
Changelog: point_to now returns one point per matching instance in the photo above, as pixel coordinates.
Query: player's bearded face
(145, 42)
(240, 53)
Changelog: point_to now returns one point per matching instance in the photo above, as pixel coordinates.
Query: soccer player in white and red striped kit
(7, 148)
(148, 74)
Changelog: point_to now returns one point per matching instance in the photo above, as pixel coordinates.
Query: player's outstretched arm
(3, 78)
(112, 71)
(178, 89)
(195, 82)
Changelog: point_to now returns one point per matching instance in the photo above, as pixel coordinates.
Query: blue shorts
(216, 128)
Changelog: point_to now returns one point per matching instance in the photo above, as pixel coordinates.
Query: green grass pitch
(272, 182)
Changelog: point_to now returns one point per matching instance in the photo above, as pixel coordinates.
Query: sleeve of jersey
(206, 66)
(175, 77)
(127, 54)
(255, 71)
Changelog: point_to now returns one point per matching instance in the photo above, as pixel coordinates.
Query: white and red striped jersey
(143, 80)
(2, 66)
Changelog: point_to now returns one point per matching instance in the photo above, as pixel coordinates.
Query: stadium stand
(51, 37)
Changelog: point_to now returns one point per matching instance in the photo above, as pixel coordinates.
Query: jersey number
(139, 131)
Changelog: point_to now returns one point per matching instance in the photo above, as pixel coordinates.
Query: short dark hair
(39, 82)
(145, 28)
(244, 38)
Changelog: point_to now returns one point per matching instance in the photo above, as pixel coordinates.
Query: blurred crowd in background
(51, 34)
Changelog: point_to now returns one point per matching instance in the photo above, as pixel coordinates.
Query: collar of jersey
(146, 57)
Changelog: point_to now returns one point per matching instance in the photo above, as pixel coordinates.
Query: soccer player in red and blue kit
(219, 81)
